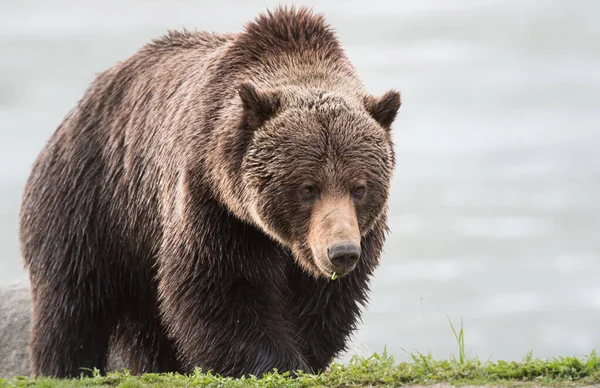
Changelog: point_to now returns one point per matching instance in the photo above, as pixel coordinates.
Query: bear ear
(259, 105)
(384, 108)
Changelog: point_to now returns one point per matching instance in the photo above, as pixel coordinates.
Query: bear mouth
(330, 272)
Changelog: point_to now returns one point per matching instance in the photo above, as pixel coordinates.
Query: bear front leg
(326, 312)
(224, 318)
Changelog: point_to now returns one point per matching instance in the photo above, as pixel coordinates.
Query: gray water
(495, 207)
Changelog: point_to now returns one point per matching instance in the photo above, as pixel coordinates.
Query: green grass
(377, 370)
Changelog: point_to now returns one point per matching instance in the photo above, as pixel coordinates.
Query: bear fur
(193, 205)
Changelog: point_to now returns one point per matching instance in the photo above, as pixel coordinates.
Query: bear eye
(309, 193)
(359, 191)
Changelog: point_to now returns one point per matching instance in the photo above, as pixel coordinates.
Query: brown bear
(195, 203)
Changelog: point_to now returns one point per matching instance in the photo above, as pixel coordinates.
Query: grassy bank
(375, 370)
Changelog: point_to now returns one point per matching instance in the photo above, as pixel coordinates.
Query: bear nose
(343, 256)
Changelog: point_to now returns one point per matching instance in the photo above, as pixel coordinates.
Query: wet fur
(148, 221)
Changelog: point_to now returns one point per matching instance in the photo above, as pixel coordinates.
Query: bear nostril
(343, 256)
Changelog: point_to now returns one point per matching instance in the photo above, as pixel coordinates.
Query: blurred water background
(495, 207)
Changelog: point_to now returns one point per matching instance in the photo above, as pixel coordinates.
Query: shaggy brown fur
(178, 207)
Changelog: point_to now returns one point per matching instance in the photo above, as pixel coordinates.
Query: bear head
(317, 170)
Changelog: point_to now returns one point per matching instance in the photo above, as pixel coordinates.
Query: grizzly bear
(196, 202)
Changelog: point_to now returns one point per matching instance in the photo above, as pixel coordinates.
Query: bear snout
(334, 237)
(343, 257)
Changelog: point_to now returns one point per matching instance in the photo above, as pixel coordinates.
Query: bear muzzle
(334, 237)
